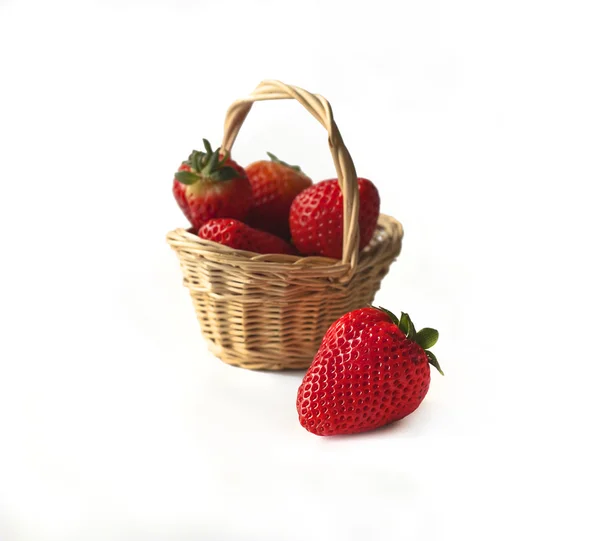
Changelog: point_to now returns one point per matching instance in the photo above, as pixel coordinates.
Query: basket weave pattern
(271, 311)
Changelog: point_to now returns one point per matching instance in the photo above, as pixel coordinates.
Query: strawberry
(210, 185)
(317, 218)
(240, 236)
(371, 369)
(274, 186)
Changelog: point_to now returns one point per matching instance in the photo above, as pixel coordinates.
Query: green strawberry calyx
(425, 338)
(206, 165)
(275, 159)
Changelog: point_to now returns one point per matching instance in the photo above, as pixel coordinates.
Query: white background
(480, 124)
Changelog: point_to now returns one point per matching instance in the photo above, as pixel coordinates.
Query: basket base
(260, 360)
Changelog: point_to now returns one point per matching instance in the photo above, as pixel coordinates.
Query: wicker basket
(271, 311)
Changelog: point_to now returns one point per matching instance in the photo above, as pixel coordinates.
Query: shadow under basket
(271, 311)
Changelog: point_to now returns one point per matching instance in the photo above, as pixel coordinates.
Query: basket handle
(318, 107)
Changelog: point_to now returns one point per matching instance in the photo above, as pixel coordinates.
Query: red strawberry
(240, 236)
(274, 186)
(317, 217)
(209, 185)
(371, 369)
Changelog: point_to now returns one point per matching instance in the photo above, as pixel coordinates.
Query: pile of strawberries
(269, 207)
(372, 368)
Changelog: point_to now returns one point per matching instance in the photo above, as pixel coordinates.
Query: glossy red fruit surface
(241, 236)
(317, 218)
(275, 184)
(371, 369)
(210, 185)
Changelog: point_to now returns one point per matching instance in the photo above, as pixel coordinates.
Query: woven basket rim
(180, 236)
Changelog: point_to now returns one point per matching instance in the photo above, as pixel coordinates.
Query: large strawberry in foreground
(240, 236)
(275, 184)
(371, 369)
(210, 185)
(317, 218)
